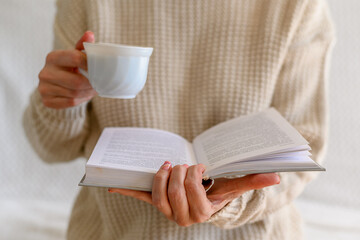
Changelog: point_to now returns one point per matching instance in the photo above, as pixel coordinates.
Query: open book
(256, 143)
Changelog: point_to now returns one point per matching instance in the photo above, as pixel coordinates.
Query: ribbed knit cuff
(235, 214)
(56, 135)
(56, 115)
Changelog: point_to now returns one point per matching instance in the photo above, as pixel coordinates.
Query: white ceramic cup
(117, 71)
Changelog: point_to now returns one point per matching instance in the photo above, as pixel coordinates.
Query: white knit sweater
(213, 60)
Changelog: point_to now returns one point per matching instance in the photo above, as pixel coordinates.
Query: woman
(212, 61)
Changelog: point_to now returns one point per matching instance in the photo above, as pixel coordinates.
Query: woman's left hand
(179, 194)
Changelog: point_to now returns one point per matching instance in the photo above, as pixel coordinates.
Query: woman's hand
(179, 194)
(61, 85)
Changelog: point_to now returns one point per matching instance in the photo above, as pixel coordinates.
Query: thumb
(87, 37)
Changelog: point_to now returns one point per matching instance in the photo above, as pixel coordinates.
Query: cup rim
(113, 49)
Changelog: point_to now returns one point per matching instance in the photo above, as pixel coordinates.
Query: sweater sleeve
(59, 135)
(300, 96)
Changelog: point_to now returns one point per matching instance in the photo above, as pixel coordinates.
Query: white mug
(117, 71)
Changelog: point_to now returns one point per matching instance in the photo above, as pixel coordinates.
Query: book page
(246, 137)
(139, 149)
(278, 164)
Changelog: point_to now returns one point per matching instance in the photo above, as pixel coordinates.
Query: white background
(35, 198)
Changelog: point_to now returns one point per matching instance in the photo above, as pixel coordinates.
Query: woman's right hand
(61, 85)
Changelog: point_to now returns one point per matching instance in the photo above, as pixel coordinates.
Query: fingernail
(278, 179)
(166, 165)
(186, 165)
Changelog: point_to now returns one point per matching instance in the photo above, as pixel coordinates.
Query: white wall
(340, 184)
(35, 198)
(25, 39)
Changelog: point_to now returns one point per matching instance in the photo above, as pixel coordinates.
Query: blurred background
(36, 198)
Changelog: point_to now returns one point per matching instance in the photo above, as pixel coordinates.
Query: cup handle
(83, 72)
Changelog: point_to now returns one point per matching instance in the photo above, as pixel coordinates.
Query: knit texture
(212, 61)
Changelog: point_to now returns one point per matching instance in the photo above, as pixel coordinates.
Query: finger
(87, 37)
(62, 102)
(67, 79)
(200, 206)
(160, 188)
(177, 195)
(238, 186)
(67, 58)
(256, 181)
(141, 195)
(48, 89)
